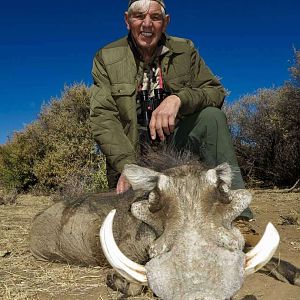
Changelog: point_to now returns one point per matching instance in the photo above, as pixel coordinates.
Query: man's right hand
(163, 117)
(123, 185)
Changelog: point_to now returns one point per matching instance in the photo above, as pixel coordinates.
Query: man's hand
(123, 185)
(163, 117)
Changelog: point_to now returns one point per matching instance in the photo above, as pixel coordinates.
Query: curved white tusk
(122, 264)
(263, 251)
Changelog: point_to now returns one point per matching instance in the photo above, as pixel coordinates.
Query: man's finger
(152, 127)
(171, 123)
(120, 188)
(161, 135)
(165, 124)
(159, 129)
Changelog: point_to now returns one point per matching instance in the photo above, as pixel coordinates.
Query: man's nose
(147, 21)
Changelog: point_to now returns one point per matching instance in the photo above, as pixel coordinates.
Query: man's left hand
(123, 185)
(163, 117)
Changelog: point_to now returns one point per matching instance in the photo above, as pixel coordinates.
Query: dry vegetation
(23, 277)
(57, 151)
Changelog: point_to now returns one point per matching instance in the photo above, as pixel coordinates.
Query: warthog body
(182, 230)
(68, 231)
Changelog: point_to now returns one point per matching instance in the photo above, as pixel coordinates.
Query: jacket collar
(175, 47)
(166, 45)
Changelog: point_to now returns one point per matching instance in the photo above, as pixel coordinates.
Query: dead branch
(294, 189)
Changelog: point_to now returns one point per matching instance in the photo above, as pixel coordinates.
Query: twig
(294, 189)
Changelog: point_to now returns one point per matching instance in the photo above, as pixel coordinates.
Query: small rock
(5, 253)
(289, 220)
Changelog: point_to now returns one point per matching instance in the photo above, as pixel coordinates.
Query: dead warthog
(177, 222)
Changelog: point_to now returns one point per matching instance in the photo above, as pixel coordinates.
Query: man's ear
(166, 22)
(126, 19)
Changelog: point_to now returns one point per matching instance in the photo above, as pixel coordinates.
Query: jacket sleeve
(105, 121)
(202, 90)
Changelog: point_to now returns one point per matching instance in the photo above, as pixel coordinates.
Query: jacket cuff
(119, 166)
(185, 106)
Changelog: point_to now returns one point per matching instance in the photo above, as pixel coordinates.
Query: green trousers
(206, 134)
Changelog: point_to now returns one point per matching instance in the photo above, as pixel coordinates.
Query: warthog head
(198, 253)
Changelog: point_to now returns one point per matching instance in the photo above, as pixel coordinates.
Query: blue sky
(45, 45)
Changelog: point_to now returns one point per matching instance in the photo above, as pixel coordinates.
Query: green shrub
(266, 132)
(16, 164)
(56, 148)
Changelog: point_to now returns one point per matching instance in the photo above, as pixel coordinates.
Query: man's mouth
(146, 34)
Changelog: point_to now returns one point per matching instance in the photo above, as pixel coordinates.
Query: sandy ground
(22, 277)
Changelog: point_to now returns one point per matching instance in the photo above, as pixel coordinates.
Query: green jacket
(117, 74)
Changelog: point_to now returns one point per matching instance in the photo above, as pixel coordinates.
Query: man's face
(147, 27)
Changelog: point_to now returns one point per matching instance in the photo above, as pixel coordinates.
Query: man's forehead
(153, 9)
(161, 2)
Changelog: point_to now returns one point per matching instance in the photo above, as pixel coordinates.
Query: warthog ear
(220, 175)
(141, 178)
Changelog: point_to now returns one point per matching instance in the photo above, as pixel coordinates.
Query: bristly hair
(164, 156)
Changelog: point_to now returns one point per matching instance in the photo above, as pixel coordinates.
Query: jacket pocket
(122, 89)
(124, 96)
(176, 84)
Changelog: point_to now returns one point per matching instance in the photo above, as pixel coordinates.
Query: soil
(23, 277)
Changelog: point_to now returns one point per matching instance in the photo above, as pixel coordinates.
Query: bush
(16, 164)
(266, 132)
(295, 69)
(56, 151)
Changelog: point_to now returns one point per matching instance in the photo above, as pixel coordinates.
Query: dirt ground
(22, 277)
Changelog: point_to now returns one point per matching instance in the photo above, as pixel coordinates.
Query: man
(145, 61)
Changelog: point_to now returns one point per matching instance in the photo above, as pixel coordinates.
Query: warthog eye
(154, 201)
(223, 190)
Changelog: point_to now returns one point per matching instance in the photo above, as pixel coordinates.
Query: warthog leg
(120, 284)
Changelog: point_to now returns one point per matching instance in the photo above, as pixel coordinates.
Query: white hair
(142, 6)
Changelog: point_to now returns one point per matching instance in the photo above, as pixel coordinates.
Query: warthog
(178, 222)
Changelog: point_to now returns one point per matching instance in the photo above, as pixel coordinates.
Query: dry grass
(23, 277)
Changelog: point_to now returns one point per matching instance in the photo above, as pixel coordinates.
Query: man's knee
(209, 121)
(192, 131)
(212, 114)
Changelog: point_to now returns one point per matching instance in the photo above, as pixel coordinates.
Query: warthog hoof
(118, 283)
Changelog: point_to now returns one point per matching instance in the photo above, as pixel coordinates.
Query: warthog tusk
(263, 251)
(122, 264)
